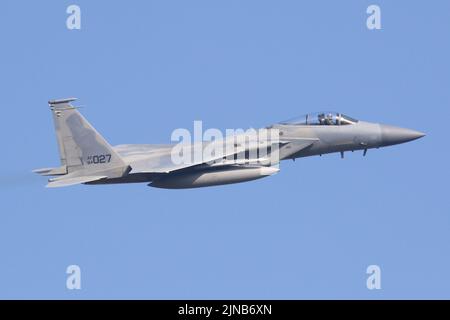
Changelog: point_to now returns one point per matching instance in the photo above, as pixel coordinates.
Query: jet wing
(158, 158)
(71, 181)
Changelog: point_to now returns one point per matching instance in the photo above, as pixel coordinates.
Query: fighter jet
(87, 158)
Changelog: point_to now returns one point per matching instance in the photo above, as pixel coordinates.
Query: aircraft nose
(394, 135)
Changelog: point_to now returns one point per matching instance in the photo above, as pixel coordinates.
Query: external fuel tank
(213, 178)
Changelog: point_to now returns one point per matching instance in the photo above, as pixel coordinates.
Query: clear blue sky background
(144, 68)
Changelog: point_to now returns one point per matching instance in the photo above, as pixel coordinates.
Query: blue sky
(143, 68)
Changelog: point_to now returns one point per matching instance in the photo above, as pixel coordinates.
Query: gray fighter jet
(86, 157)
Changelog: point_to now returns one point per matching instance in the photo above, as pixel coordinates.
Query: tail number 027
(99, 158)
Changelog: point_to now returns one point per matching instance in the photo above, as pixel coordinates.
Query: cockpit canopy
(328, 118)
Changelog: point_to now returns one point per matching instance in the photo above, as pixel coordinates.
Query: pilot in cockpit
(321, 118)
(329, 119)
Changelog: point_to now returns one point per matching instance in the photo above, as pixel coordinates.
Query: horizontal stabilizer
(71, 181)
(51, 171)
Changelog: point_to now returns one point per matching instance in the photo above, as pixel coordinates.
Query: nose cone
(394, 135)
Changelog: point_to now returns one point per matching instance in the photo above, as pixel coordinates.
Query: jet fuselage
(87, 158)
